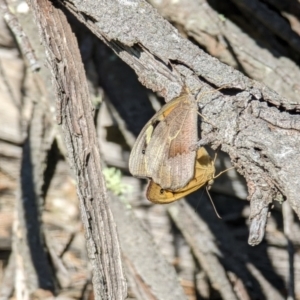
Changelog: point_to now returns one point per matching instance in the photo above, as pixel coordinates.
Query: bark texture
(250, 121)
(74, 112)
(254, 117)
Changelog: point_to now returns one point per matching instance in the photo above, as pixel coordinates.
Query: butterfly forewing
(170, 155)
(164, 149)
(137, 159)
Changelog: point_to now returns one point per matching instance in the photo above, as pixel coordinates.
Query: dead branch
(251, 121)
(74, 112)
(22, 38)
(7, 284)
(32, 265)
(241, 114)
(203, 246)
(272, 21)
(149, 274)
(235, 262)
(223, 39)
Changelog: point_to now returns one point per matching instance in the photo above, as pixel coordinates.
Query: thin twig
(20, 35)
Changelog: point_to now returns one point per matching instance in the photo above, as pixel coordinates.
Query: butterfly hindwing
(204, 173)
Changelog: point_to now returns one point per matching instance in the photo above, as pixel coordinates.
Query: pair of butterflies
(165, 152)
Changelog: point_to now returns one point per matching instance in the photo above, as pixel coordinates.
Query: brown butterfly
(165, 149)
(203, 174)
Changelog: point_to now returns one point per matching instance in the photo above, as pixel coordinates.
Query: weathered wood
(250, 120)
(33, 269)
(203, 246)
(74, 112)
(20, 35)
(267, 263)
(225, 40)
(148, 272)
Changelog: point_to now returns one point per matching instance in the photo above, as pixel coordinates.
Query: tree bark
(258, 128)
(74, 113)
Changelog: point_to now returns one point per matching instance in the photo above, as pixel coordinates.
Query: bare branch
(249, 125)
(203, 246)
(223, 39)
(32, 264)
(148, 271)
(22, 38)
(74, 112)
(273, 21)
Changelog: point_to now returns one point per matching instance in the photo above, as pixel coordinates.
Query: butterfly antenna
(224, 86)
(215, 158)
(223, 172)
(212, 202)
(206, 120)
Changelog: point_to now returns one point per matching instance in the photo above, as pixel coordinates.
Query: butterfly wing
(139, 157)
(172, 157)
(204, 172)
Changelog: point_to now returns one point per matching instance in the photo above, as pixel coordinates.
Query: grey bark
(225, 40)
(74, 113)
(258, 128)
(235, 106)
